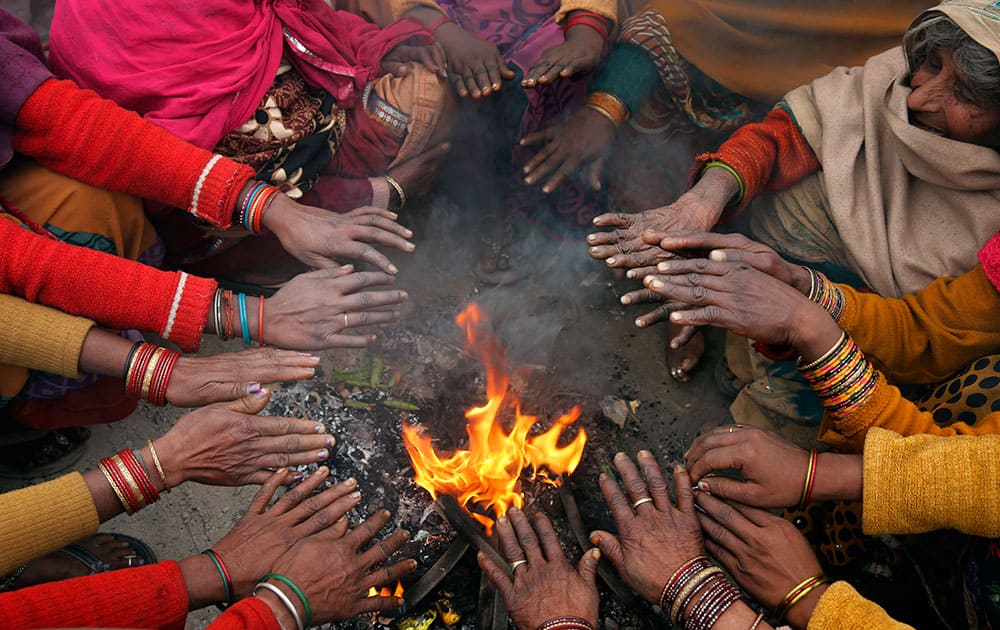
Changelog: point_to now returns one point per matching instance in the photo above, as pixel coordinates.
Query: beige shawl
(909, 206)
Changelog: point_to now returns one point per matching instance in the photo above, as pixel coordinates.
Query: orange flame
(385, 592)
(488, 472)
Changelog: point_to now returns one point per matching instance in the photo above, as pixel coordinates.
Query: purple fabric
(22, 70)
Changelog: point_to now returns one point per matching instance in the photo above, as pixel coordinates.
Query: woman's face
(942, 103)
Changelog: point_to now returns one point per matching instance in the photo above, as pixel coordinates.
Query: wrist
(202, 581)
(800, 279)
(173, 468)
(714, 190)
(814, 331)
(281, 613)
(798, 615)
(839, 477)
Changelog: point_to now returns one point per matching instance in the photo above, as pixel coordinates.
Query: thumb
(610, 548)
(587, 567)
(596, 168)
(250, 403)
(726, 488)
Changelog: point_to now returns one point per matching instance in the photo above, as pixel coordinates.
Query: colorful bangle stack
(566, 623)
(609, 106)
(825, 293)
(241, 300)
(129, 481)
(807, 486)
(798, 593)
(843, 378)
(254, 204)
(285, 599)
(739, 180)
(226, 312)
(695, 576)
(147, 372)
(590, 19)
(227, 581)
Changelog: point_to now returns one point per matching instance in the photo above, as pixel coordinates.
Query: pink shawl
(199, 68)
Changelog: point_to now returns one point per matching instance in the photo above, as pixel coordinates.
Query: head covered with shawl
(912, 189)
(199, 68)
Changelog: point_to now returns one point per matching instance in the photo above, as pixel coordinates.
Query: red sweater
(769, 156)
(116, 292)
(79, 134)
(151, 597)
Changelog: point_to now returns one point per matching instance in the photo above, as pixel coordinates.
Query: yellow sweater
(38, 520)
(842, 608)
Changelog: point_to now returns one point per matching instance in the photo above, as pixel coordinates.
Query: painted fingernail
(595, 539)
(323, 454)
(298, 477)
(261, 393)
(253, 388)
(320, 428)
(355, 495)
(330, 442)
(703, 486)
(612, 260)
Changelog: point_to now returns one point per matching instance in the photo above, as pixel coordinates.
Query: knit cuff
(217, 189)
(841, 607)
(189, 311)
(41, 338)
(847, 433)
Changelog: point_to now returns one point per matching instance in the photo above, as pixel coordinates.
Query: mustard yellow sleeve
(929, 335)
(604, 8)
(843, 608)
(39, 337)
(38, 520)
(399, 7)
(886, 408)
(922, 483)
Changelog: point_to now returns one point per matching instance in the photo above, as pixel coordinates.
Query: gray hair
(978, 65)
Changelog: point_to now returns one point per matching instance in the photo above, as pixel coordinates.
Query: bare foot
(110, 554)
(680, 361)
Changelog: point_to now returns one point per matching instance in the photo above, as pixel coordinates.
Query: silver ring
(731, 427)
(641, 501)
(516, 563)
(130, 557)
(346, 323)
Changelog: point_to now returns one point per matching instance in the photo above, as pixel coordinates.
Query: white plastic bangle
(284, 600)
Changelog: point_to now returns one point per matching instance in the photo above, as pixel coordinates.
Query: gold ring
(731, 427)
(516, 563)
(346, 323)
(641, 501)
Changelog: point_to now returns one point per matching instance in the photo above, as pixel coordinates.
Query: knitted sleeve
(922, 483)
(41, 338)
(40, 519)
(604, 8)
(117, 292)
(885, 407)
(249, 614)
(142, 597)
(769, 156)
(79, 134)
(629, 74)
(842, 608)
(927, 336)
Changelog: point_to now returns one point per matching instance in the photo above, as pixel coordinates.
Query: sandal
(138, 554)
(32, 454)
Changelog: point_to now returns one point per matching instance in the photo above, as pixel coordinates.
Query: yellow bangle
(609, 105)
(399, 190)
(156, 464)
(732, 171)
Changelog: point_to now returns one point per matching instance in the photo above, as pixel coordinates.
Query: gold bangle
(114, 488)
(147, 377)
(156, 464)
(756, 622)
(826, 355)
(399, 190)
(610, 105)
(602, 112)
(696, 582)
(798, 598)
(133, 485)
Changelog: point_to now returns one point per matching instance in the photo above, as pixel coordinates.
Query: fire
(488, 472)
(385, 592)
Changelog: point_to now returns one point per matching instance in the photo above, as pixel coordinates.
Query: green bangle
(222, 574)
(739, 180)
(298, 591)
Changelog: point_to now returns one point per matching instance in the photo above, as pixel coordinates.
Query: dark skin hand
(655, 538)
(548, 586)
(199, 381)
(399, 60)
(773, 469)
(578, 54)
(764, 553)
(417, 175)
(475, 66)
(584, 138)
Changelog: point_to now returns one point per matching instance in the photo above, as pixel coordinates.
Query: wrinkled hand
(734, 248)
(309, 312)
(475, 66)
(319, 238)
(655, 538)
(252, 548)
(417, 175)
(336, 570)
(579, 54)
(773, 468)
(764, 553)
(198, 381)
(548, 586)
(431, 57)
(584, 139)
(225, 444)
(739, 298)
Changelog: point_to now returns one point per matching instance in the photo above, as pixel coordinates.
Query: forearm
(255, 613)
(839, 477)
(842, 608)
(77, 133)
(116, 292)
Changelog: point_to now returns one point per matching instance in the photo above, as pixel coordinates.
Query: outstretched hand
(398, 61)
(321, 239)
(198, 381)
(545, 584)
(475, 66)
(578, 54)
(583, 140)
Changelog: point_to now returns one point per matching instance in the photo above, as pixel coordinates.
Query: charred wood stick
(416, 593)
(485, 603)
(464, 525)
(605, 570)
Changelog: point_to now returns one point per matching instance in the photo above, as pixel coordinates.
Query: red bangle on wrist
(587, 18)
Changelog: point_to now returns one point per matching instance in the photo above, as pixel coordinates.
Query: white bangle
(284, 600)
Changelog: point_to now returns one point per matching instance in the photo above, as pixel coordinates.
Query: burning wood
(488, 472)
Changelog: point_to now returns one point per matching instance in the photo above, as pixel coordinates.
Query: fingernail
(678, 467)
(323, 454)
(298, 477)
(320, 428)
(480, 555)
(612, 260)
(321, 471)
(546, 189)
(620, 456)
(355, 495)
(311, 370)
(595, 539)
(640, 324)
(346, 267)
(602, 476)
(626, 299)
(656, 284)
(703, 486)
(630, 274)
(408, 233)
(663, 266)
(594, 250)
(645, 453)
(674, 344)
(330, 442)
(394, 215)
(413, 564)
(596, 553)
(253, 388)
(261, 393)
(591, 238)
(393, 269)
(350, 481)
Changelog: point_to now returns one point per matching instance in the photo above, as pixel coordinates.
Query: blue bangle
(244, 328)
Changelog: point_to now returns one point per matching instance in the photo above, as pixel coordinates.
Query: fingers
(260, 426)
(683, 336)
(440, 60)
(266, 492)
(396, 68)
(371, 318)
(382, 549)
(497, 576)
(642, 258)
(612, 219)
(635, 485)
(251, 404)
(679, 266)
(321, 511)
(387, 237)
(369, 301)
(621, 509)
(610, 549)
(567, 167)
(508, 540)
(638, 273)
(360, 535)
(526, 536)
(699, 240)
(387, 575)
(587, 567)
(493, 73)
(659, 314)
(639, 296)
(378, 603)
(380, 226)
(658, 489)
(293, 497)
(349, 341)
(596, 169)
(372, 210)
(728, 526)
(549, 539)
(362, 280)
(685, 496)
(537, 137)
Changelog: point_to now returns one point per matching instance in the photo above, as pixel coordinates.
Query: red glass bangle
(596, 24)
(260, 322)
(141, 476)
